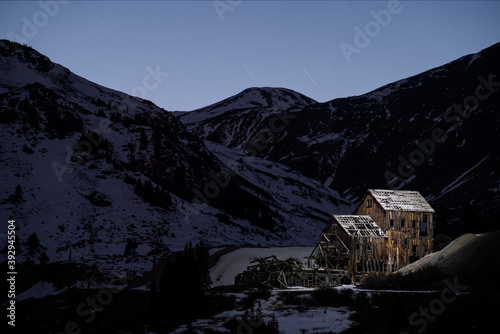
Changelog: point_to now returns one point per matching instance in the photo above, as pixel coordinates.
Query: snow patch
(39, 290)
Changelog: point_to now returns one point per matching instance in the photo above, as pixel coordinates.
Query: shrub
(374, 280)
(424, 278)
(324, 296)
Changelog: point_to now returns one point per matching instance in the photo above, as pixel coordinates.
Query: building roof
(359, 226)
(401, 200)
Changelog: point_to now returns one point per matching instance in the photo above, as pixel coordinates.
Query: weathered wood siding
(375, 211)
(407, 239)
(368, 254)
(410, 237)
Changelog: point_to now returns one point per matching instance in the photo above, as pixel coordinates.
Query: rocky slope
(436, 132)
(101, 176)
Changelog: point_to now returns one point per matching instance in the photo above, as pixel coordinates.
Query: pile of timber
(269, 272)
(272, 272)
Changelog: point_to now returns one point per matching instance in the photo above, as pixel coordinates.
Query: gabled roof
(401, 200)
(359, 226)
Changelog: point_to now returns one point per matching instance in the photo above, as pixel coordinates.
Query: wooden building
(406, 218)
(350, 246)
(389, 229)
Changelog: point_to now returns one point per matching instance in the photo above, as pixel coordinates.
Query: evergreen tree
(148, 191)
(44, 258)
(33, 243)
(442, 216)
(203, 273)
(153, 297)
(18, 195)
(19, 192)
(162, 198)
(273, 325)
(471, 220)
(166, 280)
(139, 119)
(100, 113)
(185, 279)
(139, 188)
(258, 314)
(143, 140)
(130, 248)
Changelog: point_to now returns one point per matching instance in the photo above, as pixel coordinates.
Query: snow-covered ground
(58, 182)
(231, 264)
(291, 319)
(39, 290)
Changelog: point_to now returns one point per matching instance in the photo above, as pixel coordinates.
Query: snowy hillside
(237, 121)
(470, 255)
(436, 132)
(108, 178)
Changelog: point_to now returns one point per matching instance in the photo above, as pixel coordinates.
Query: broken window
(369, 203)
(423, 229)
(414, 226)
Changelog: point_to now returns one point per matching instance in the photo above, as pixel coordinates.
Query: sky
(184, 55)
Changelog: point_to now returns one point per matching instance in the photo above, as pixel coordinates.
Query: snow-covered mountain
(416, 133)
(93, 172)
(235, 121)
(250, 98)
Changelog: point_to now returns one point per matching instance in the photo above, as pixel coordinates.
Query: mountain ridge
(385, 127)
(109, 178)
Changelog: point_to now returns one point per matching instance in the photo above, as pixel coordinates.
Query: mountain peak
(250, 99)
(273, 97)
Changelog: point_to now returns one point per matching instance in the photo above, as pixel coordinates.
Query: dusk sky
(214, 49)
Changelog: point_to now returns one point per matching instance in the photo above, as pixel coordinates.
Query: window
(414, 226)
(369, 203)
(391, 222)
(425, 217)
(423, 229)
(402, 223)
(414, 249)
